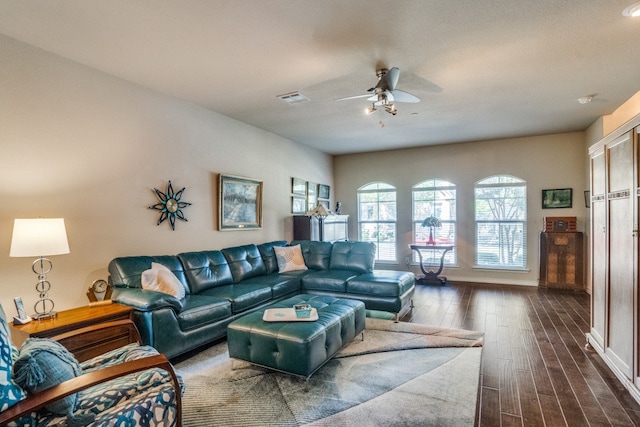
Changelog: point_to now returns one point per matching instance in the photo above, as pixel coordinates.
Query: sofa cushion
(290, 259)
(245, 262)
(11, 393)
(127, 271)
(242, 296)
(354, 256)
(317, 255)
(44, 363)
(202, 310)
(269, 255)
(280, 284)
(385, 283)
(327, 280)
(205, 270)
(159, 278)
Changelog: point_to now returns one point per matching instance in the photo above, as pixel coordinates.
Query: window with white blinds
(377, 218)
(501, 222)
(435, 197)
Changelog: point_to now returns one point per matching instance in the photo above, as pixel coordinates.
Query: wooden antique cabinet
(561, 265)
(615, 187)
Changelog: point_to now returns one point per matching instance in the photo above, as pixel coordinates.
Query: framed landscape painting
(557, 198)
(239, 203)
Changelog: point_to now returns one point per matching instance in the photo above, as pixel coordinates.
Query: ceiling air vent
(294, 98)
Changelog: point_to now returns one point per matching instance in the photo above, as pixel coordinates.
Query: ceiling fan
(385, 92)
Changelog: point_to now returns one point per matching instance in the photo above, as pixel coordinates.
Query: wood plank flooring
(535, 368)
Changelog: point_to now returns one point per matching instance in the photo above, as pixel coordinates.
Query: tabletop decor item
(303, 311)
(431, 222)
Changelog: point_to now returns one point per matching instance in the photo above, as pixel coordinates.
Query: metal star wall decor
(170, 205)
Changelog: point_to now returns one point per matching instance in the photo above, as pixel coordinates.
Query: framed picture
(239, 203)
(323, 191)
(557, 198)
(312, 195)
(298, 205)
(325, 203)
(312, 189)
(298, 186)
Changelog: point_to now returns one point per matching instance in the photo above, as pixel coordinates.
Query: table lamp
(40, 237)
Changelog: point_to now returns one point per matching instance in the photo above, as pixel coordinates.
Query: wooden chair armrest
(77, 333)
(37, 401)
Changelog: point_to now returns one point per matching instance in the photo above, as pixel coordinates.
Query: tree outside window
(501, 215)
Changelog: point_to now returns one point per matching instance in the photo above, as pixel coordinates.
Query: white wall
(88, 147)
(545, 162)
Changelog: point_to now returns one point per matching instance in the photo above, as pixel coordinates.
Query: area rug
(400, 374)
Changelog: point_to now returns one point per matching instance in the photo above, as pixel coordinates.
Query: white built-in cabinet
(615, 188)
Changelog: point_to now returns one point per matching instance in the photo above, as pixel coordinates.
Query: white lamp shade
(39, 237)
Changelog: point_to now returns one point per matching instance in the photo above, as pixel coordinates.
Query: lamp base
(45, 316)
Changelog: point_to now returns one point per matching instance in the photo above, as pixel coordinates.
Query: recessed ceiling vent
(294, 98)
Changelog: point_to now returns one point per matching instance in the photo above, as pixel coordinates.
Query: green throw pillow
(44, 363)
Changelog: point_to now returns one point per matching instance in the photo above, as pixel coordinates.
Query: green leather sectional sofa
(223, 285)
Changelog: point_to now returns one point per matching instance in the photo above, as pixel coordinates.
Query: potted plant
(431, 222)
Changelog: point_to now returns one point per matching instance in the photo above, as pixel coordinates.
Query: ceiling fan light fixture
(371, 110)
(632, 10)
(391, 109)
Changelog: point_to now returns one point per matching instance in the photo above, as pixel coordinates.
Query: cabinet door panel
(621, 328)
(599, 255)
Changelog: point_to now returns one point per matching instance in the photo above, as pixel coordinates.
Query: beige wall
(90, 148)
(551, 161)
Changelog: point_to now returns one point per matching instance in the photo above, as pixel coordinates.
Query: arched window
(435, 197)
(501, 222)
(377, 218)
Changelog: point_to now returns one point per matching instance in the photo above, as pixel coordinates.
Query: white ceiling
(484, 69)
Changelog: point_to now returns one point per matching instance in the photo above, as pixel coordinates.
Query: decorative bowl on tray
(303, 311)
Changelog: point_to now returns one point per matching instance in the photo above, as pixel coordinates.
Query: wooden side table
(89, 345)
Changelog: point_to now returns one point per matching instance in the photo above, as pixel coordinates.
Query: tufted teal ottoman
(298, 348)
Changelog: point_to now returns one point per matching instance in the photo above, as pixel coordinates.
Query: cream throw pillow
(289, 258)
(159, 278)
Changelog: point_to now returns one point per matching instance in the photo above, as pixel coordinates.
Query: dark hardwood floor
(535, 368)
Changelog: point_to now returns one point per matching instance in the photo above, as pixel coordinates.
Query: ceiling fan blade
(352, 97)
(402, 96)
(389, 80)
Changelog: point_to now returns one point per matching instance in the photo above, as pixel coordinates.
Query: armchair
(130, 385)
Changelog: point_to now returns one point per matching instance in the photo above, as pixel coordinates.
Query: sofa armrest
(39, 400)
(145, 300)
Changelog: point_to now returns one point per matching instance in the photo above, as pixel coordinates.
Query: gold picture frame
(239, 203)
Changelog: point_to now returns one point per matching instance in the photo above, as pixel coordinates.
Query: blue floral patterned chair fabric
(133, 385)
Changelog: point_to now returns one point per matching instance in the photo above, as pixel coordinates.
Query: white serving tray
(287, 315)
